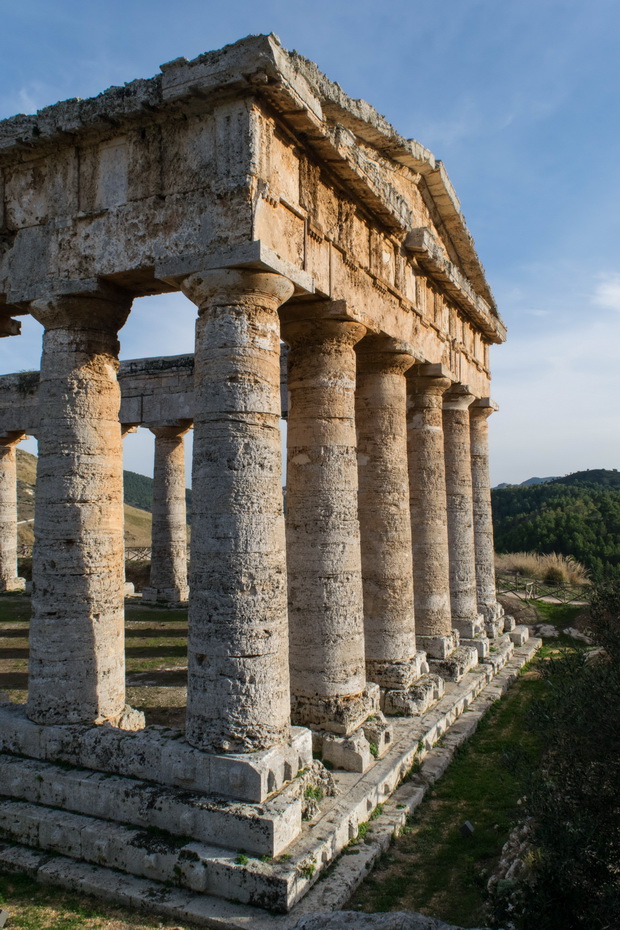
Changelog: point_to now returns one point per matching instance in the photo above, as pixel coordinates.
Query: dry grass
(552, 568)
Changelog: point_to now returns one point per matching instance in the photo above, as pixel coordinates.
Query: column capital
(236, 286)
(169, 430)
(100, 307)
(378, 352)
(482, 409)
(316, 323)
(429, 379)
(458, 397)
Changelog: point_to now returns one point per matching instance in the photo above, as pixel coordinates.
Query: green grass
(561, 615)
(432, 867)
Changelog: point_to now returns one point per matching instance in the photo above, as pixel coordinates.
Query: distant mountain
(524, 484)
(576, 515)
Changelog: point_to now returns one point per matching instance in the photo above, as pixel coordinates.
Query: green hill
(577, 515)
(138, 493)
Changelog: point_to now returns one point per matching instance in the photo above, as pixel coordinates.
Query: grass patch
(432, 867)
(561, 615)
(36, 907)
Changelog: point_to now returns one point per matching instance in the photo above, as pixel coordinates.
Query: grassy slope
(432, 867)
(137, 522)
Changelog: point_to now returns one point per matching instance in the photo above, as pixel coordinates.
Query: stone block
(165, 595)
(520, 635)
(509, 623)
(494, 628)
(439, 647)
(417, 699)
(379, 734)
(350, 753)
(457, 664)
(480, 644)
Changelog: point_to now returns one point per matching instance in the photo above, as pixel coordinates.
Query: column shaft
(482, 512)
(9, 580)
(384, 514)
(323, 541)
(77, 660)
(238, 688)
(463, 598)
(427, 482)
(169, 533)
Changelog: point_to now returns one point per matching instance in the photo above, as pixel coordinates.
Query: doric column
(322, 528)
(9, 581)
(238, 688)
(464, 604)
(169, 533)
(427, 485)
(77, 647)
(384, 515)
(483, 515)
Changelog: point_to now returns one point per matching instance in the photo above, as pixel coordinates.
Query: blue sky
(520, 99)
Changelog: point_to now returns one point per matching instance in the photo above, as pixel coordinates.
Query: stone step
(501, 651)
(519, 635)
(456, 665)
(417, 699)
(150, 854)
(158, 754)
(265, 829)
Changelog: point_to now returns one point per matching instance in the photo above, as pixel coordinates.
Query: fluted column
(384, 514)
(464, 604)
(77, 647)
(9, 580)
(169, 533)
(480, 411)
(326, 615)
(427, 483)
(238, 687)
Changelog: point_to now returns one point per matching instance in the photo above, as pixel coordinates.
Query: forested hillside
(577, 515)
(139, 492)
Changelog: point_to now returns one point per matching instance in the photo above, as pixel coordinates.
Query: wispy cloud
(607, 292)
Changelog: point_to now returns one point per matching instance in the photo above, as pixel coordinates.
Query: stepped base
(171, 858)
(480, 643)
(165, 595)
(158, 754)
(456, 665)
(416, 700)
(11, 585)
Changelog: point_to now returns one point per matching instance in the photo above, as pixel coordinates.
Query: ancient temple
(336, 284)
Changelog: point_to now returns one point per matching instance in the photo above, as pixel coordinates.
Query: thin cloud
(607, 292)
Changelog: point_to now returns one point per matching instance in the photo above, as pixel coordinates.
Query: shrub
(571, 875)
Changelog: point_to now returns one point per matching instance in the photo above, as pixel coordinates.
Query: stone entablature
(286, 213)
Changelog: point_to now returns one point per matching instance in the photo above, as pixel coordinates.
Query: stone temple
(336, 284)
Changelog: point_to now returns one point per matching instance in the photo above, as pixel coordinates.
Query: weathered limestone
(488, 604)
(464, 605)
(385, 519)
(77, 659)
(238, 687)
(326, 613)
(427, 484)
(9, 580)
(169, 534)
(246, 179)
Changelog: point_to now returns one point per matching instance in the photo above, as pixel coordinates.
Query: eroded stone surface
(168, 582)
(77, 645)
(9, 580)
(384, 513)
(326, 615)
